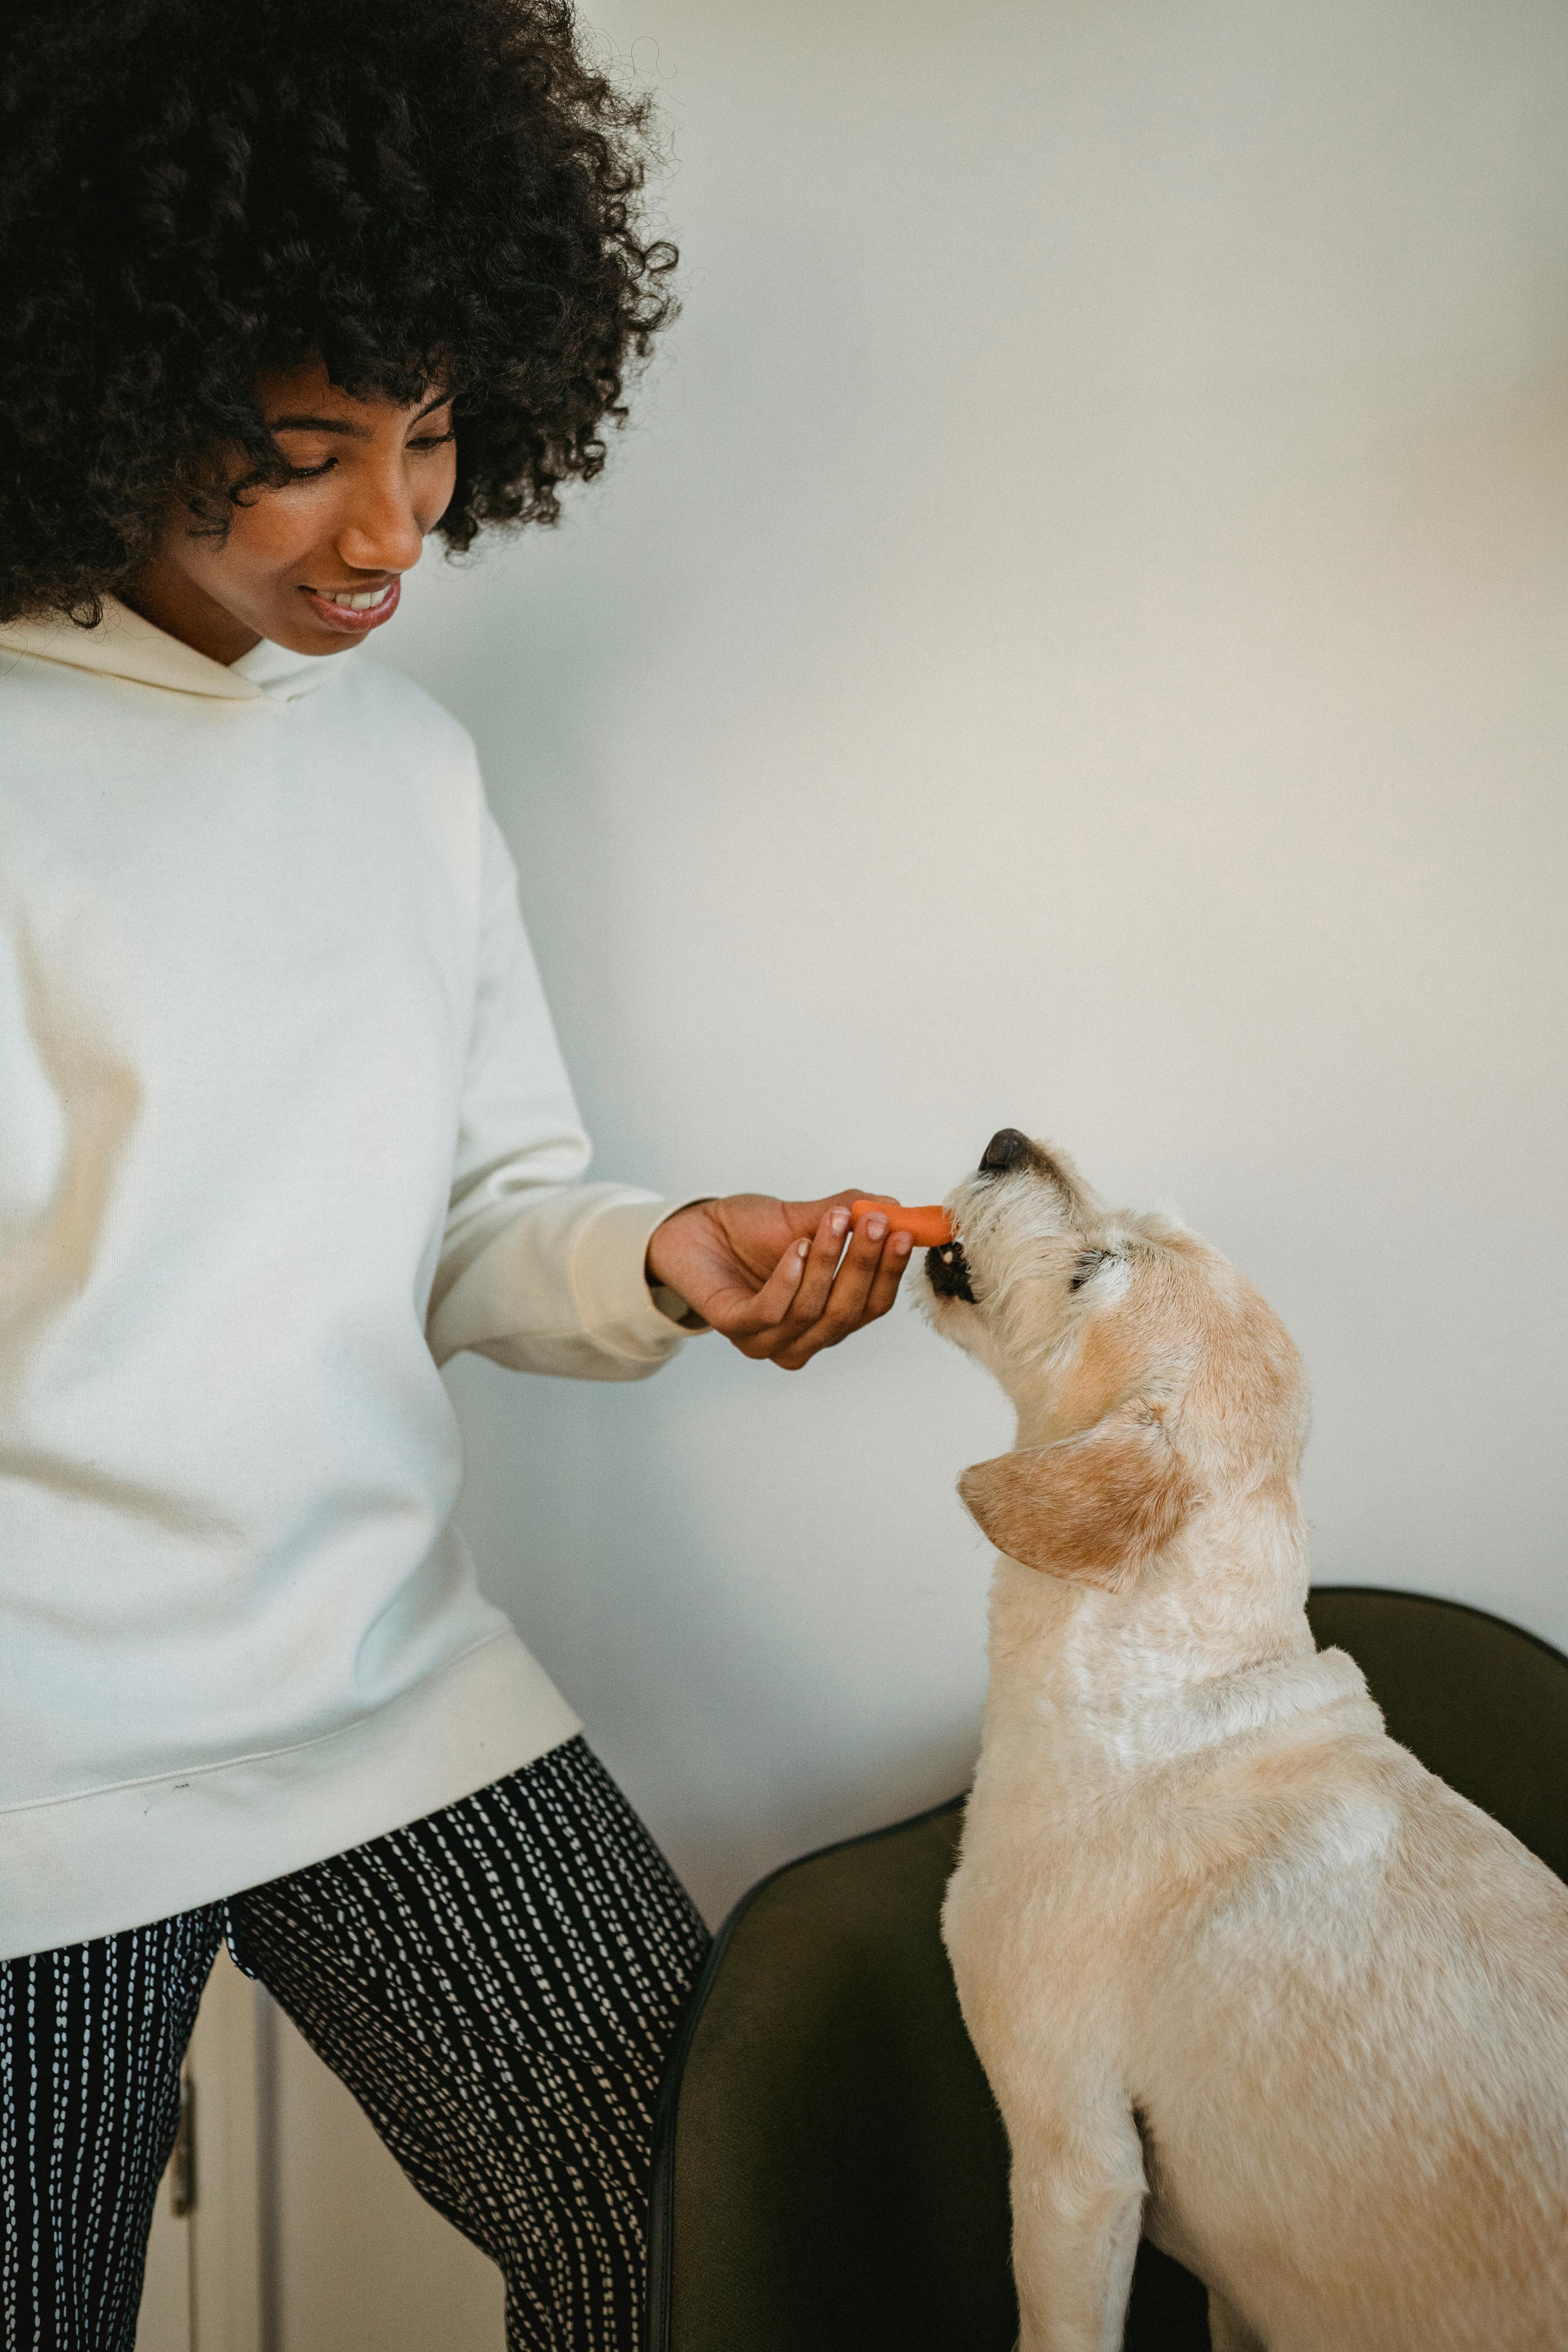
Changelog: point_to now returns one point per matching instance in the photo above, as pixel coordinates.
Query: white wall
(1076, 635)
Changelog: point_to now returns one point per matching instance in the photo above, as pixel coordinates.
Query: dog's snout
(1005, 1149)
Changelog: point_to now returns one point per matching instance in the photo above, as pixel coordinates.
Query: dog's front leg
(1078, 2205)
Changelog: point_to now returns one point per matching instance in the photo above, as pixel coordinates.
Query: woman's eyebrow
(341, 424)
(318, 424)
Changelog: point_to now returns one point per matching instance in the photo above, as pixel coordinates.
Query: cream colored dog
(1244, 1976)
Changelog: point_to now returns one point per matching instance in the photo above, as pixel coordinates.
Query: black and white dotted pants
(497, 1984)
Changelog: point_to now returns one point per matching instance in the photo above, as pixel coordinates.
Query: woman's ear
(1094, 1507)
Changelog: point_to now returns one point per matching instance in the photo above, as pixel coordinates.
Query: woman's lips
(353, 620)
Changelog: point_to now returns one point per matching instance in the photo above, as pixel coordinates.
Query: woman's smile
(354, 610)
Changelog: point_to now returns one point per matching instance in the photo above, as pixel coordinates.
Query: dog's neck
(1207, 1639)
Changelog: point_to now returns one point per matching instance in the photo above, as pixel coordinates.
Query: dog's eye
(1089, 1262)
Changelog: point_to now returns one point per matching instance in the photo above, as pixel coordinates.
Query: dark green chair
(831, 2173)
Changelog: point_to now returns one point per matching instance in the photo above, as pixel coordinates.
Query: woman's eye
(435, 440)
(309, 473)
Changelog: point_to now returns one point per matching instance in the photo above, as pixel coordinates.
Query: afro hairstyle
(423, 193)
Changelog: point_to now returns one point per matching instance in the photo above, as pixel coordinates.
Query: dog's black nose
(1005, 1149)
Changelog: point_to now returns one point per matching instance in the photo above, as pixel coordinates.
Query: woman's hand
(775, 1277)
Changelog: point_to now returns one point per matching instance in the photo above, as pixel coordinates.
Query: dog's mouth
(947, 1271)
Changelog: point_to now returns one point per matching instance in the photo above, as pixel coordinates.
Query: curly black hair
(427, 194)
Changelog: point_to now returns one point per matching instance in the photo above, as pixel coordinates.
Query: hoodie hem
(74, 1869)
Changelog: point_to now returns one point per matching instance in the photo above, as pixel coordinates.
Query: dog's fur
(1243, 1975)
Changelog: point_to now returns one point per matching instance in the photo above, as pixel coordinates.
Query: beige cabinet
(206, 2286)
(164, 2323)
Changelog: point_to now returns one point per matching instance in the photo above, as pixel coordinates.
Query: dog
(1245, 1979)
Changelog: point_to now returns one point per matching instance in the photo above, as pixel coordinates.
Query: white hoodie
(283, 1124)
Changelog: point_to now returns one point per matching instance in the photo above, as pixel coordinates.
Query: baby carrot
(929, 1227)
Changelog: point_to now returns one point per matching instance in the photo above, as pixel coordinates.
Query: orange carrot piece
(929, 1227)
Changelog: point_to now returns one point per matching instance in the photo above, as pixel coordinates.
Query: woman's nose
(383, 534)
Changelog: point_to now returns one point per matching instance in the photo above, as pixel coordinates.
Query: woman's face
(314, 564)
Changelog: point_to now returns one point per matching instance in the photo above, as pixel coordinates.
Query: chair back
(1482, 1703)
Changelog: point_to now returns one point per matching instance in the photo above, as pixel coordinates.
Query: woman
(283, 1124)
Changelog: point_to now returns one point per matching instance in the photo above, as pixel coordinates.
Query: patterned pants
(498, 1985)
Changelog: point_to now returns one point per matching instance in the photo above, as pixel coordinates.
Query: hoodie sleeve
(537, 1269)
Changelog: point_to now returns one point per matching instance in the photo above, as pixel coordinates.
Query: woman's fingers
(836, 1287)
(833, 1295)
(837, 1275)
(821, 1290)
(844, 1305)
(797, 1291)
(865, 1288)
(793, 1294)
(820, 1277)
(897, 1250)
(762, 1314)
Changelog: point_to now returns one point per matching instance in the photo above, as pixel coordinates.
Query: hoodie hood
(125, 646)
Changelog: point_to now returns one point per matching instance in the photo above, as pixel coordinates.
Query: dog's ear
(1093, 1507)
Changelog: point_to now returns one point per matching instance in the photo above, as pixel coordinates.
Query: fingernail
(875, 1228)
(801, 1249)
(838, 1223)
(900, 1244)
